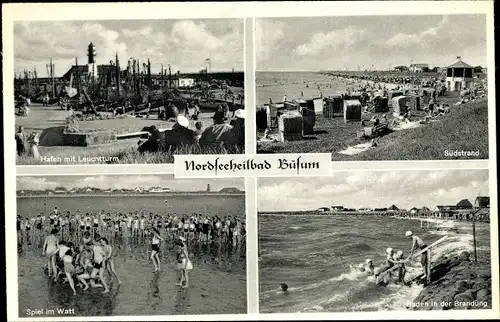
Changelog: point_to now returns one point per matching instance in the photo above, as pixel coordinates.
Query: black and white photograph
(389, 87)
(366, 241)
(130, 245)
(127, 91)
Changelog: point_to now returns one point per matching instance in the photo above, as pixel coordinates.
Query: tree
(478, 69)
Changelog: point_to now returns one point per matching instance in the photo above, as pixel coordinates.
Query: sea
(217, 281)
(317, 257)
(220, 205)
(274, 85)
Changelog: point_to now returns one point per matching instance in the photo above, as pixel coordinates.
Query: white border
(86, 11)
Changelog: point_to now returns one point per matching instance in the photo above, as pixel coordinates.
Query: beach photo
(364, 241)
(392, 87)
(130, 245)
(127, 91)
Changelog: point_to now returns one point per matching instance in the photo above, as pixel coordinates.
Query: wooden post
(117, 72)
(474, 235)
(428, 268)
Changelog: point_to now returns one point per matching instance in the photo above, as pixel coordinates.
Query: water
(317, 257)
(217, 282)
(275, 85)
(184, 204)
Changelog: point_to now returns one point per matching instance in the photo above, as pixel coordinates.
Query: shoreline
(353, 213)
(458, 283)
(159, 194)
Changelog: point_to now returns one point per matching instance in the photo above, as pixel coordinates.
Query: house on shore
(482, 202)
(419, 68)
(459, 76)
(464, 204)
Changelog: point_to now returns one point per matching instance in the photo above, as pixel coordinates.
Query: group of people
(27, 145)
(219, 134)
(129, 229)
(394, 263)
(81, 248)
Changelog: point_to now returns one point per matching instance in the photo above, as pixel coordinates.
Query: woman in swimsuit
(109, 260)
(69, 269)
(155, 246)
(50, 247)
(183, 263)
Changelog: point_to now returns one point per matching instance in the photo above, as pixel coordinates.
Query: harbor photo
(127, 91)
(130, 245)
(365, 88)
(364, 241)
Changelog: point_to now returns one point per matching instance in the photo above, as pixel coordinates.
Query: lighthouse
(459, 76)
(91, 54)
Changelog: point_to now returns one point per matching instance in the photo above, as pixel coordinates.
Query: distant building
(459, 76)
(401, 68)
(337, 208)
(464, 204)
(414, 210)
(208, 187)
(159, 189)
(323, 209)
(60, 190)
(444, 211)
(482, 202)
(393, 208)
(139, 190)
(418, 68)
(424, 210)
(230, 190)
(380, 209)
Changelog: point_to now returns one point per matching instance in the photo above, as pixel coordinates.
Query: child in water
(183, 263)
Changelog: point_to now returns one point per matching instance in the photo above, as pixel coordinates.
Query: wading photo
(375, 241)
(127, 91)
(130, 245)
(373, 87)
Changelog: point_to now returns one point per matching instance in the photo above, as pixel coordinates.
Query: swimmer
(284, 287)
(368, 267)
(183, 263)
(109, 260)
(99, 256)
(418, 242)
(50, 247)
(155, 246)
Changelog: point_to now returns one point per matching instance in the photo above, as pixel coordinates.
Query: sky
(126, 182)
(185, 44)
(373, 189)
(370, 42)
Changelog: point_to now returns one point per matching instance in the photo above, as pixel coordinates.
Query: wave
(352, 275)
(355, 248)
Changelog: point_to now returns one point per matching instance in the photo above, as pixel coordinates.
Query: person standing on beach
(418, 243)
(183, 262)
(50, 248)
(20, 141)
(155, 248)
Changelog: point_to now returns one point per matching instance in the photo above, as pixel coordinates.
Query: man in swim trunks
(417, 242)
(99, 265)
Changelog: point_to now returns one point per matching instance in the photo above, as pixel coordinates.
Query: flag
(207, 60)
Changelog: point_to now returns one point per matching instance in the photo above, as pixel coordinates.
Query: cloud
(336, 39)
(125, 182)
(267, 35)
(404, 39)
(183, 43)
(358, 189)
